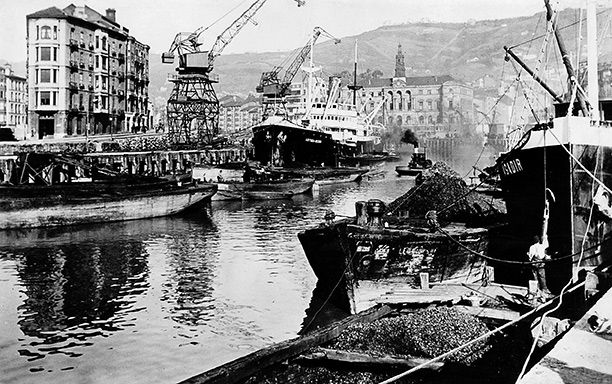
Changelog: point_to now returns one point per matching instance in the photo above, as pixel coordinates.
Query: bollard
(424, 277)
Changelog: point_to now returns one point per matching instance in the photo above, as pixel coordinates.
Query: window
(54, 53)
(37, 32)
(54, 32)
(97, 41)
(420, 105)
(45, 54)
(45, 75)
(421, 120)
(104, 43)
(450, 104)
(103, 62)
(81, 37)
(97, 61)
(55, 75)
(45, 98)
(429, 104)
(45, 32)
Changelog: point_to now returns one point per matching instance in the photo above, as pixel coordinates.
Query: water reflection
(164, 299)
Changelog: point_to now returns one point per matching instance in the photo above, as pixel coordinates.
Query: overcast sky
(281, 25)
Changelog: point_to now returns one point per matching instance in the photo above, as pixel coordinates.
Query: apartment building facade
(237, 114)
(13, 102)
(79, 68)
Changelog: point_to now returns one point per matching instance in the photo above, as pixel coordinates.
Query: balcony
(81, 64)
(121, 93)
(74, 45)
(72, 86)
(74, 66)
(113, 54)
(113, 91)
(90, 87)
(114, 72)
(82, 44)
(81, 86)
(121, 57)
(90, 66)
(81, 107)
(74, 109)
(91, 46)
(121, 76)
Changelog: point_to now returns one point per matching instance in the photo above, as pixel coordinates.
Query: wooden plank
(246, 366)
(417, 299)
(489, 313)
(359, 359)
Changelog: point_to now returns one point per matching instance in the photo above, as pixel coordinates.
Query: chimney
(110, 14)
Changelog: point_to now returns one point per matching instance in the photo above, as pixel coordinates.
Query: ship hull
(31, 206)
(575, 222)
(275, 190)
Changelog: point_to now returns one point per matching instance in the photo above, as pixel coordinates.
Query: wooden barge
(46, 193)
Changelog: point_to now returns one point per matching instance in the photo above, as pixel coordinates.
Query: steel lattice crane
(273, 89)
(193, 107)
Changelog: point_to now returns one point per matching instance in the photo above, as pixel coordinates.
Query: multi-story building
(236, 114)
(13, 102)
(427, 104)
(2, 96)
(86, 74)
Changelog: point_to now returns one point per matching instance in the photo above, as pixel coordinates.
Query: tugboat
(418, 163)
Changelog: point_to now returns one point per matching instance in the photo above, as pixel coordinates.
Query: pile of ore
(427, 333)
(316, 375)
(442, 189)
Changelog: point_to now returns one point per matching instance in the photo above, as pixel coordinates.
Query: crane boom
(271, 86)
(230, 32)
(187, 45)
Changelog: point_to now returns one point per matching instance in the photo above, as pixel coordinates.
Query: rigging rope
(566, 286)
(581, 165)
(504, 261)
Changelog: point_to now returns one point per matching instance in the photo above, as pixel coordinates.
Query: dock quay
(145, 154)
(584, 353)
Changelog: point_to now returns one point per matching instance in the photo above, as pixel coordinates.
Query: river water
(164, 299)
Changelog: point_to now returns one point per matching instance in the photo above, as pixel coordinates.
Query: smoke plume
(410, 138)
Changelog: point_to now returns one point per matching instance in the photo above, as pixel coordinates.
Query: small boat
(47, 192)
(418, 163)
(403, 240)
(406, 330)
(262, 190)
(324, 175)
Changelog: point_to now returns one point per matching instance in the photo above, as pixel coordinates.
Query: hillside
(467, 51)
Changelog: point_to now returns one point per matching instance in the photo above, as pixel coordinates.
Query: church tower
(400, 68)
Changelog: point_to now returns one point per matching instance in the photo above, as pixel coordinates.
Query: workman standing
(537, 254)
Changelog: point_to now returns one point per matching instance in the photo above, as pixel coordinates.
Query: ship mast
(592, 70)
(355, 87)
(566, 60)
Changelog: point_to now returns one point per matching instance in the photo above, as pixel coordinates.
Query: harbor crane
(193, 107)
(275, 89)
